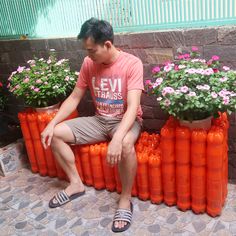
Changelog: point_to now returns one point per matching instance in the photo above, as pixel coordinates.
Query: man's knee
(127, 147)
(63, 133)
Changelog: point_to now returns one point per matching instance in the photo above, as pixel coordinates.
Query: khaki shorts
(95, 129)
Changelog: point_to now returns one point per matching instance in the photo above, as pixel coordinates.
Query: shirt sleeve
(82, 81)
(135, 76)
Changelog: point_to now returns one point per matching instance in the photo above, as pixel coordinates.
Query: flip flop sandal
(62, 198)
(122, 215)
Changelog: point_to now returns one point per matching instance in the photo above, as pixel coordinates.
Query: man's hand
(114, 152)
(46, 135)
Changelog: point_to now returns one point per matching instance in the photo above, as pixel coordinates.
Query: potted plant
(44, 82)
(192, 88)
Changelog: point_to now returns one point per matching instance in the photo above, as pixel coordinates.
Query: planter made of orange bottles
(85, 163)
(28, 141)
(39, 152)
(155, 180)
(142, 176)
(96, 166)
(108, 170)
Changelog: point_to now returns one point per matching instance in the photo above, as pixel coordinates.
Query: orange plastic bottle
(85, 163)
(109, 176)
(51, 166)
(142, 176)
(28, 141)
(38, 148)
(224, 124)
(155, 182)
(134, 191)
(167, 145)
(96, 166)
(182, 152)
(198, 170)
(117, 178)
(215, 150)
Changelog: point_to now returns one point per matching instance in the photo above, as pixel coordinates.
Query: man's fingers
(49, 140)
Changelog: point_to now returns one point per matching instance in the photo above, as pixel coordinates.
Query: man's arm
(115, 146)
(67, 107)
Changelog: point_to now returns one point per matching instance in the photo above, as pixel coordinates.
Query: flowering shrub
(192, 88)
(43, 82)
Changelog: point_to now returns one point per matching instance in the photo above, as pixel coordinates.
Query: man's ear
(108, 44)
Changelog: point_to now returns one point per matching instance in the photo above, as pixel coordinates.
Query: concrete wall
(152, 48)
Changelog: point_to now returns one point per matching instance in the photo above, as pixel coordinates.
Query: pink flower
(215, 58)
(167, 90)
(167, 102)
(32, 87)
(49, 61)
(214, 95)
(187, 55)
(159, 80)
(180, 56)
(194, 48)
(38, 81)
(20, 69)
(225, 100)
(26, 80)
(17, 86)
(67, 78)
(176, 67)
(156, 69)
(46, 82)
(223, 79)
(184, 89)
(167, 68)
(36, 90)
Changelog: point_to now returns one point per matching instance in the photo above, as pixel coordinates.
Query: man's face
(97, 52)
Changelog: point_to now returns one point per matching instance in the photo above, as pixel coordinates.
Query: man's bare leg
(127, 171)
(65, 157)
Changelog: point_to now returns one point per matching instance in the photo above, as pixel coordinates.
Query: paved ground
(24, 211)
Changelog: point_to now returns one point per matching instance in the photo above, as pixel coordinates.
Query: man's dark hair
(98, 30)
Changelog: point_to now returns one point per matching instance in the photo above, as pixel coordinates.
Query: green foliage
(44, 82)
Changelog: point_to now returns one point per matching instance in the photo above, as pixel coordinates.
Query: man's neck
(114, 55)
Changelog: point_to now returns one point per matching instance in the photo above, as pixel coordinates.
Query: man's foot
(123, 216)
(72, 192)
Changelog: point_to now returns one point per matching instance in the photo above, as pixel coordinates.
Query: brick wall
(152, 48)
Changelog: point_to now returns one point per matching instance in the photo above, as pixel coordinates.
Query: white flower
(191, 94)
(182, 66)
(226, 68)
(159, 99)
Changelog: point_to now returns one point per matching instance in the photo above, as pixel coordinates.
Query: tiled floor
(24, 211)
